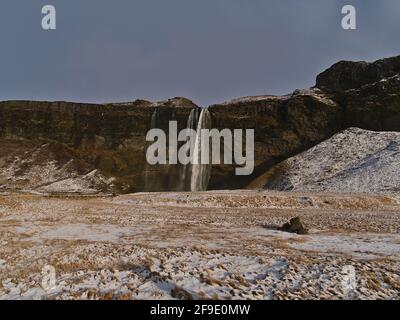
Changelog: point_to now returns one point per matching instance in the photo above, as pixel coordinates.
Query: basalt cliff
(62, 147)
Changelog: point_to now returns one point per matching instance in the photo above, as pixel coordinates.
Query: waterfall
(193, 176)
(148, 179)
(201, 172)
(193, 119)
(154, 119)
(185, 177)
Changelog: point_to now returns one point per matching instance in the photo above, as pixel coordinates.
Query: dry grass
(214, 246)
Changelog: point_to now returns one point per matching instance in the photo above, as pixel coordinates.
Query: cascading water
(201, 171)
(193, 176)
(148, 180)
(184, 181)
(154, 119)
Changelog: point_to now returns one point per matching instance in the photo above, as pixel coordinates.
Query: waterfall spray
(201, 172)
(155, 117)
(187, 169)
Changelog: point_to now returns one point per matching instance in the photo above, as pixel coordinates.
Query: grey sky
(206, 50)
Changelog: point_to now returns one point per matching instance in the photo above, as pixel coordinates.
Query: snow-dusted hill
(48, 167)
(354, 160)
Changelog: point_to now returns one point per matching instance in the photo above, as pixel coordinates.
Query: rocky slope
(110, 138)
(354, 160)
(48, 167)
(104, 141)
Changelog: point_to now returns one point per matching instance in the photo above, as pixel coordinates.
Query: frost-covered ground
(213, 245)
(354, 160)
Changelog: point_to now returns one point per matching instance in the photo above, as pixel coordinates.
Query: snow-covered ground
(210, 245)
(354, 160)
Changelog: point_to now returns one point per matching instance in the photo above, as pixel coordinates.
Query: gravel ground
(211, 245)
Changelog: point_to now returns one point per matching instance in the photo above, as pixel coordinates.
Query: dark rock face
(110, 138)
(374, 106)
(346, 75)
(369, 93)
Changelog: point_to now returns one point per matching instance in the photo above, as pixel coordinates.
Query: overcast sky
(206, 50)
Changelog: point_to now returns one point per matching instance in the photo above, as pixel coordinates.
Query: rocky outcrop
(369, 93)
(110, 138)
(346, 75)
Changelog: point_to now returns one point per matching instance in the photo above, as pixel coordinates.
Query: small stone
(294, 226)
